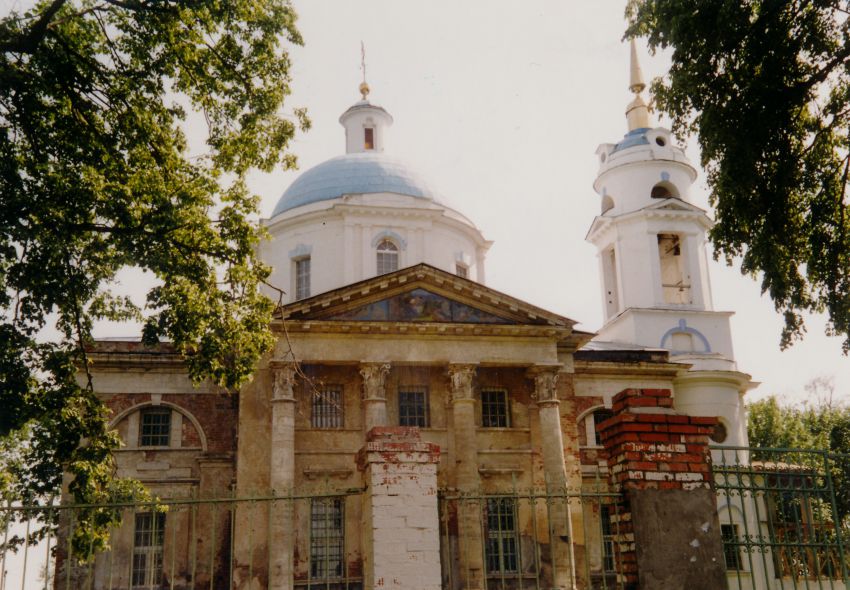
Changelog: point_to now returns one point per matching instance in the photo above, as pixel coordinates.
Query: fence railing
(184, 543)
(524, 539)
(784, 517)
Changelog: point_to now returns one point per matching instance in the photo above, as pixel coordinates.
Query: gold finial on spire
(364, 87)
(637, 113)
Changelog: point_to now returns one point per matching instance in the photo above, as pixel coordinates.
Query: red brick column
(668, 532)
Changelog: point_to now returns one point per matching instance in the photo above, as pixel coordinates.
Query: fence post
(401, 526)
(669, 534)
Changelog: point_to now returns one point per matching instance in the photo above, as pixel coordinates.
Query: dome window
(660, 141)
(664, 190)
(369, 138)
(387, 259)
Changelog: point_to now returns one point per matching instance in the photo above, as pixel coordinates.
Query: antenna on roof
(364, 87)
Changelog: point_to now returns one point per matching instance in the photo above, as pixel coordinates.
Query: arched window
(664, 190)
(387, 257)
(591, 421)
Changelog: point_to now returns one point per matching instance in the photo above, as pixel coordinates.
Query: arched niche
(124, 423)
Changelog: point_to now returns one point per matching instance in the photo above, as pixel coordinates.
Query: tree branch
(29, 42)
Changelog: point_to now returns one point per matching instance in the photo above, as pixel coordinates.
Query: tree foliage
(765, 87)
(96, 177)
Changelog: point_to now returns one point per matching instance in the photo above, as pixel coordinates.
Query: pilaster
(463, 401)
(282, 476)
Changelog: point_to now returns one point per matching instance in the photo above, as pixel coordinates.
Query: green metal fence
(184, 543)
(784, 517)
(524, 539)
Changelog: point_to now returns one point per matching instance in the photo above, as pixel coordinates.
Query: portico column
(374, 393)
(468, 480)
(552, 441)
(282, 476)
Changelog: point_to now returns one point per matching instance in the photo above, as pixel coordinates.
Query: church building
(394, 356)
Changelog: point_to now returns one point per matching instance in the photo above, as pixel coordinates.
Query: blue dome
(357, 173)
(632, 138)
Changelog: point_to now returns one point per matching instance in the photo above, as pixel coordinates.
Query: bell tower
(651, 243)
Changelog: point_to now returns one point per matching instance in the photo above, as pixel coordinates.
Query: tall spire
(364, 87)
(637, 113)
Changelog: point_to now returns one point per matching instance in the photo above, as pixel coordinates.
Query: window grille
(413, 407)
(731, 550)
(502, 547)
(608, 564)
(462, 271)
(327, 407)
(387, 257)
(147, 549)
(494, 408)
(302, 278)
(326, 538)
(155, 429)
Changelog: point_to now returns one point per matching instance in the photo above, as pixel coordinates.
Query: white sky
(501, 106)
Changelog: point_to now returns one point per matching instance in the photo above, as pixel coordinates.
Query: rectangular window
(155, 428)
(302, 278)
(147, 549)
(326, 538)
(494, 408)
(327, 407)
(608, 564)
(502, 547)
(413, 406)
(731, 547)
(369, 138)
(462, 271)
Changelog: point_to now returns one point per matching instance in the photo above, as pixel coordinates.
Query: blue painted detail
(391, 235)
(683, 328)
(632, 138)
(665, 175)
(360, 173)
(300, 251)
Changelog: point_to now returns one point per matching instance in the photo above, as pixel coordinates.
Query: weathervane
(364, 87)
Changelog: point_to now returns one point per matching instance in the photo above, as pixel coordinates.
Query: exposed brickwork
(651, 448)
(216, 413)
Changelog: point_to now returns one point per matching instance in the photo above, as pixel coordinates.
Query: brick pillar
(282, 477)
(667, 525)
(374, 393)
(552, 443)
(467, 480)
(401, 525)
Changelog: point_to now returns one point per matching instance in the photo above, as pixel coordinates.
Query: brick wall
(650, 447)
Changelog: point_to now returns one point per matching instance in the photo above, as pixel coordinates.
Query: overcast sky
(501, 106)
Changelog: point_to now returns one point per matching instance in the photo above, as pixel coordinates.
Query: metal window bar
(387, 257)
(413, 407)
(495, 412)
(326, 410)
(326, 539)
(149, 537)
(155, 428)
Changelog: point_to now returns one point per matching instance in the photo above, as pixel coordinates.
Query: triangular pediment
(421, 294)
(675, 205)
(419, 305)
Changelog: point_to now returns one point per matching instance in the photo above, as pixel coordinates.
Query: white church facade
(415, 428)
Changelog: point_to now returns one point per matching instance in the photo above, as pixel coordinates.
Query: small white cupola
(365, 125)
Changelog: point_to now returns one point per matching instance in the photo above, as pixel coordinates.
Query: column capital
(283, 386)
(460, 376)
(545, 381)
(374, 375)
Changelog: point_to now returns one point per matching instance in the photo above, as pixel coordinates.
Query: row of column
(467, 478)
